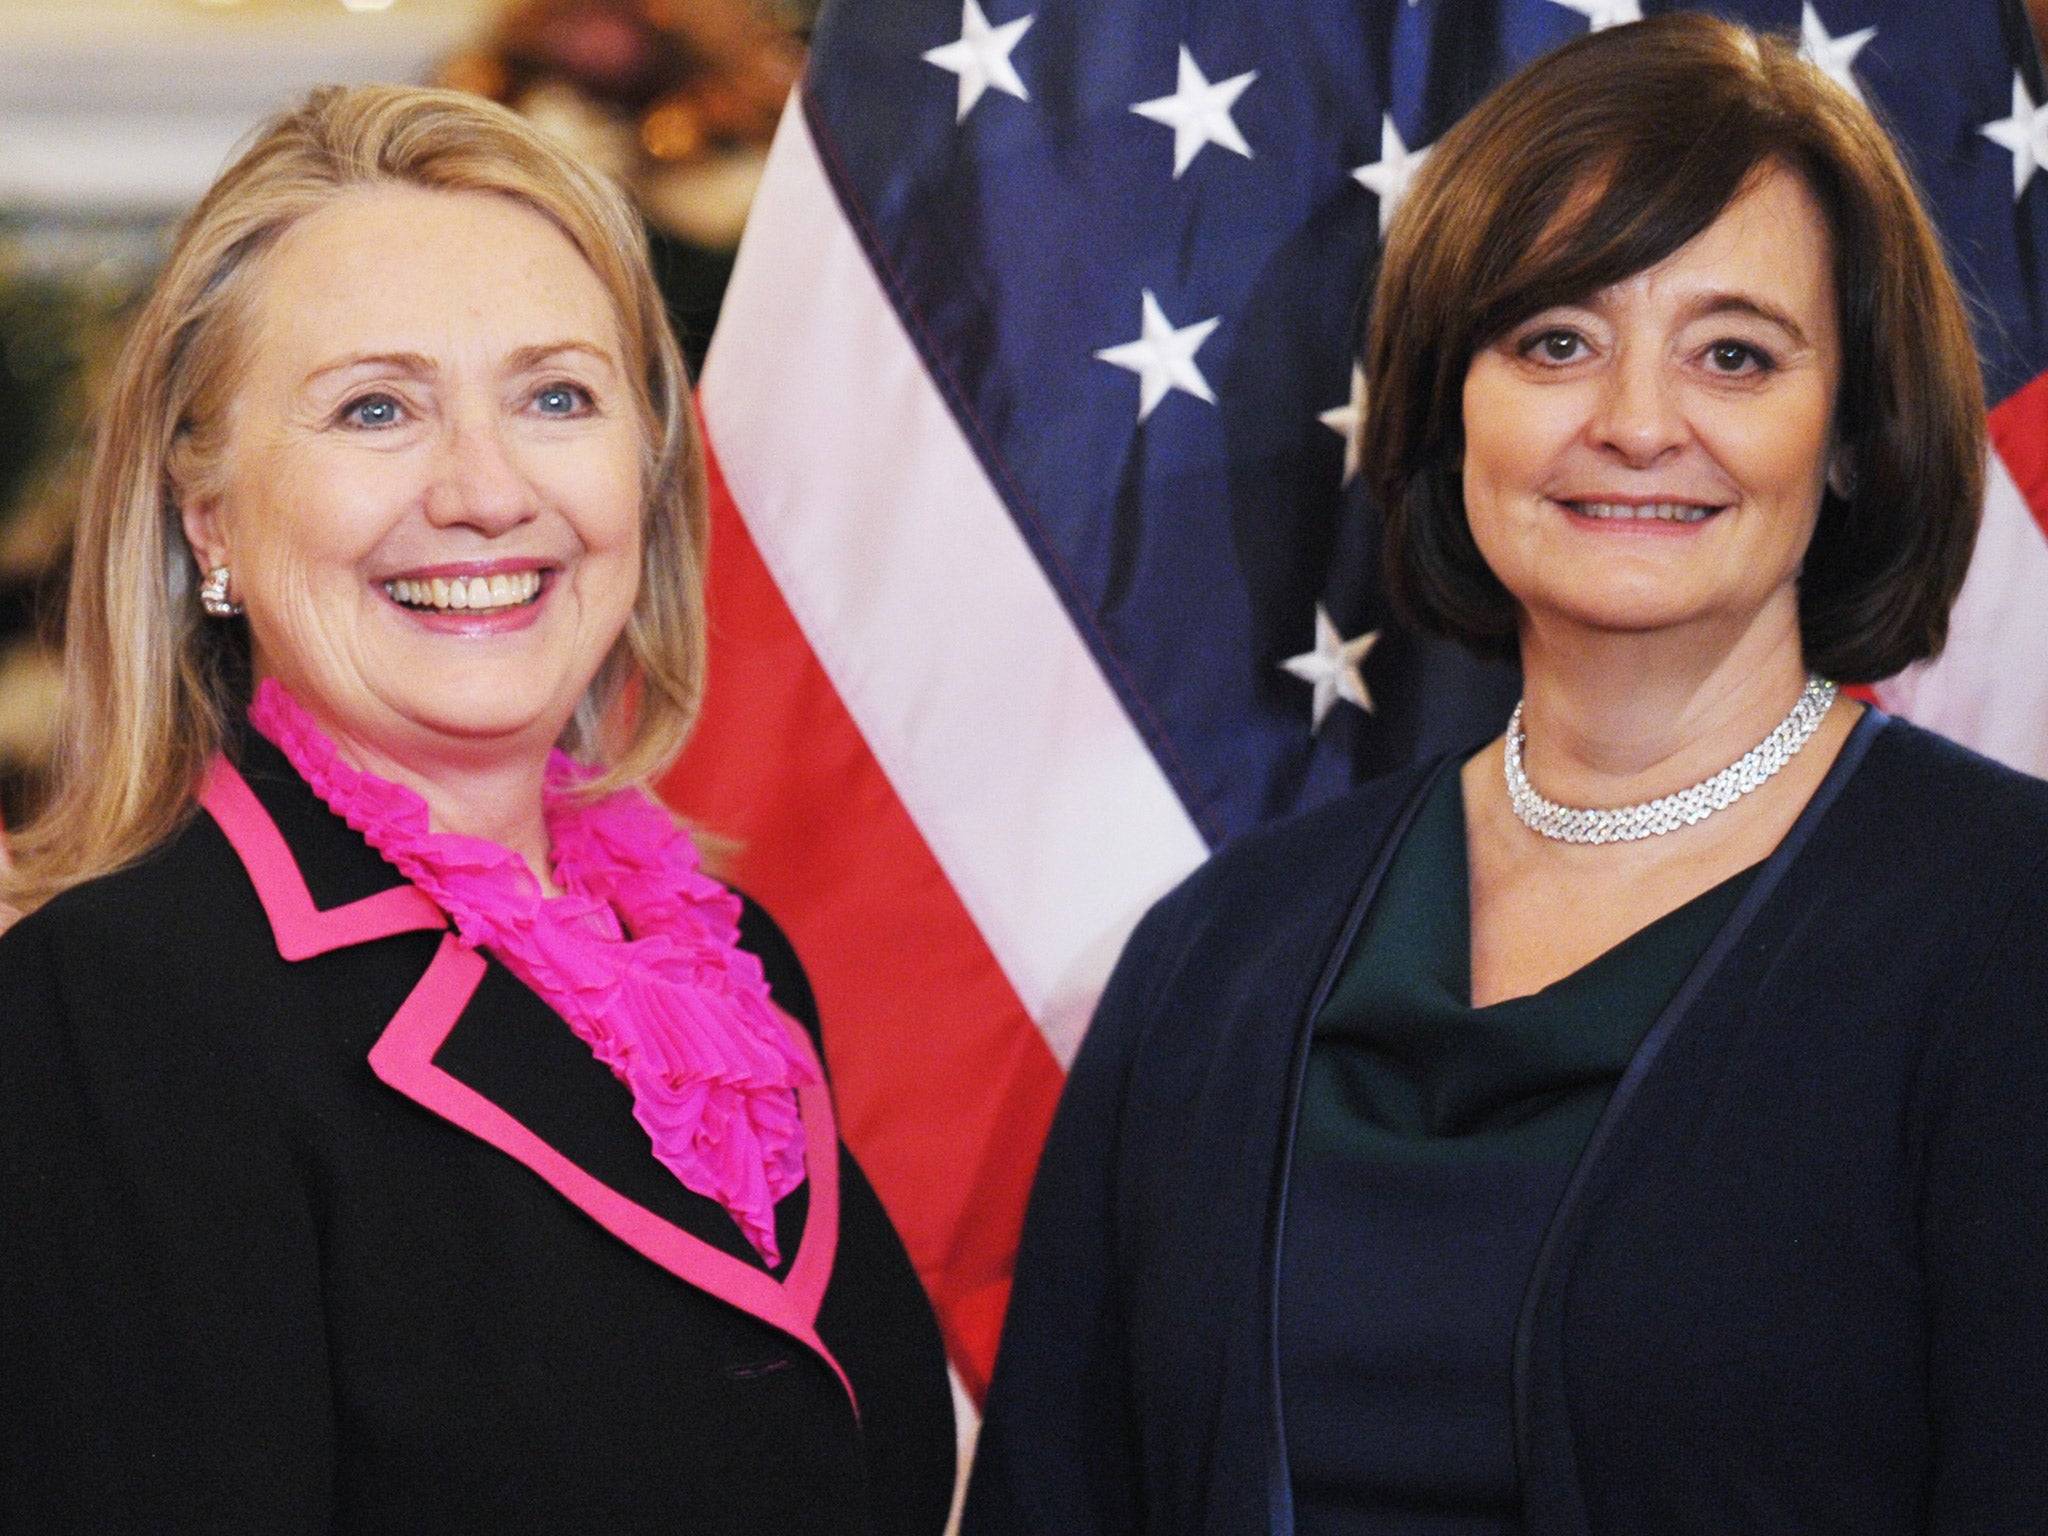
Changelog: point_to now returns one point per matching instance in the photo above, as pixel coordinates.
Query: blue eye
(561, 400)
(372, 411)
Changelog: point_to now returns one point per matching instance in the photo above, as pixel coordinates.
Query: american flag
(1039, 564)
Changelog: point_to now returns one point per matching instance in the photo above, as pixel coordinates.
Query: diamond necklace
(1653, 818)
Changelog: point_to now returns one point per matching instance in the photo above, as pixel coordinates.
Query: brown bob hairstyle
(1597, 162)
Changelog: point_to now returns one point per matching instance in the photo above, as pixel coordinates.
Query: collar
(403, 1058)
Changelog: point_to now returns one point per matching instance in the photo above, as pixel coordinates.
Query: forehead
(1770, 244)
(412, 270)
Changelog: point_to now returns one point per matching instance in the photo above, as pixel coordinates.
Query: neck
(1616, 718)
(495, 796)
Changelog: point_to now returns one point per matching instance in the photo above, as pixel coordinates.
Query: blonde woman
(400, 1132)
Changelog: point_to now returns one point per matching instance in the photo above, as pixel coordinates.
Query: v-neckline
(1724, 895)
(403, 1059)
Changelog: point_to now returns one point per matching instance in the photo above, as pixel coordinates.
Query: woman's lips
(471, 600)
(475, 594)
(1680, 513)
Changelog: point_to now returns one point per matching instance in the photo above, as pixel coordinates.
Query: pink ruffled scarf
(678, 1011)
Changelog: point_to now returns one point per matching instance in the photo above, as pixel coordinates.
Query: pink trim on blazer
(302, 930)
(403, 1058)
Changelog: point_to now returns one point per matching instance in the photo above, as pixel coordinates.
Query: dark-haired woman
(1635, 1126)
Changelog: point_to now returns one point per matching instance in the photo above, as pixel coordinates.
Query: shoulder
(159, 914)
(157, 974)
(1916, 776)
(128, 1005)
(175, 954)
(1263, 913)
(1916, 861)
(1289, 870)
(1961, 830)
(1927, 824)
(1928, 884)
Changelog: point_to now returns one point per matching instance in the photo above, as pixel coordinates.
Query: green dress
(1434, 1141)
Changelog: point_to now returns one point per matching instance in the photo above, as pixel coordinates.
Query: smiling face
(1653, 458)
(430, 490)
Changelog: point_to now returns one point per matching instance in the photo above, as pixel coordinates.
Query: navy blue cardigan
(1798, 1282)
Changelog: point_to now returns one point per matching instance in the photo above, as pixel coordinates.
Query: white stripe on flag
(1989, 688)
(928, 611)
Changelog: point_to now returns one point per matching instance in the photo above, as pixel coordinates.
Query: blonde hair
(151, 685)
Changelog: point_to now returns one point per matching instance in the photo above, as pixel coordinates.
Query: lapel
(403, 1059)
(1546, 1452)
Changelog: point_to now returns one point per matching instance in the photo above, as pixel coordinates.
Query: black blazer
(1799, 1280)
(312, 1220)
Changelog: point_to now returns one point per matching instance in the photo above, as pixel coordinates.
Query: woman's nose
(1638, 416)
(477, 478)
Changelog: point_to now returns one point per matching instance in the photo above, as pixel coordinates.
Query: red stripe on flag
(2019, 431)
(944, 1085)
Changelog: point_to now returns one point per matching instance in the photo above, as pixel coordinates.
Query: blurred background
(116, 114)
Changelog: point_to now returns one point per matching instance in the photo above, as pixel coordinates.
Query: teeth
(476, 592)
(1662, 511)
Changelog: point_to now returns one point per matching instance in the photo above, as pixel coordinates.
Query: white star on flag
(1388, 177)
(1199, 113)
(1604, 13)
(1332, 668)
(981, 57)
(1832, 56)
(1348, 422)
(1163, 357)
(2025, 133)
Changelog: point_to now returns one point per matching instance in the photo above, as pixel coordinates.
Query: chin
(1630, 600)
(474, 722)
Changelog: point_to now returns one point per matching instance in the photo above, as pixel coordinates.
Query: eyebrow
(418, 365)
(1743, 304)
(525, 359)
(394, 362)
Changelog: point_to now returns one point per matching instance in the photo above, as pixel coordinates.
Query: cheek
(1494, 474)
(1512, 433)
(613, 538)
(300, 518)
(1476, 459)
(1807, 461)
(605, 490)
(1796, 451)
(620, 530)
(1780, 455)
(622, 576)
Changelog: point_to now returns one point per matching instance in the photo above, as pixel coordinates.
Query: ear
(1841, 472)
(205, 530)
